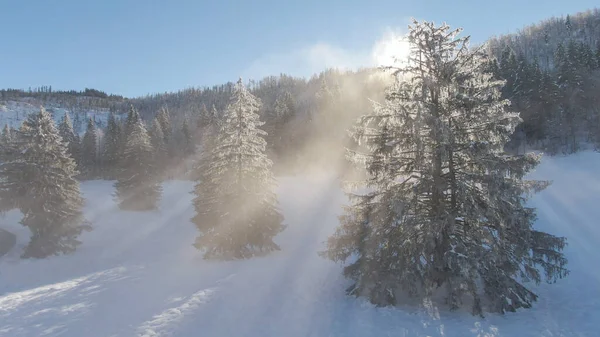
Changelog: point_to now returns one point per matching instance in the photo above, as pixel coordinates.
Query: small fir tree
(157, 139)
(38, 179)
(137, 186)
(89, 151)
(5, 142)
(236, 207)
(69, 136)
(164, 118)
(188, 146)
(110, 151)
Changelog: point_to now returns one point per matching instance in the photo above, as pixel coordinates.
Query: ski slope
(137, 274)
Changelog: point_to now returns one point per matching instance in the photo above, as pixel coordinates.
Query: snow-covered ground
(137, 274)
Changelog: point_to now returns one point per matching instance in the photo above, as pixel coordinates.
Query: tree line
(551, 68)
(560, 105)
(552, 71)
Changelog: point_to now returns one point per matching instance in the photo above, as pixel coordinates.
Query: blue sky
(134, 47)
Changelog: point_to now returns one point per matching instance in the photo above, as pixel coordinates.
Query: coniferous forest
(434, 153)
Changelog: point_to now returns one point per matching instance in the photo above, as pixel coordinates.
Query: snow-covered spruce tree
(38, 178)
(65, 129)
(208, 141)
(133, 117)
(125, 129)
(5, 142)
(216, 120)
(236, 206)
(110, 151)
(187, 146)
(282, 114)
(165, 123)
(6, 132)
(443, 206)
(89, 151)
(137, 186)
(204, 119)
(157, 139)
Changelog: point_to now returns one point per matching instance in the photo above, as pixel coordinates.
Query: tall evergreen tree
(187, 146)
(89, 151)
(137, 185)
(77, 122)
(133, 117)
(70, 137)
(216, 119)
(111, 150)
(279, 138)
(444, 205)
(204, 119)
(6, 133)
(157, 139)
(40, 182)
(598, 54)
(164, 119)
(207, 143)
(236, 206)
(5, 142)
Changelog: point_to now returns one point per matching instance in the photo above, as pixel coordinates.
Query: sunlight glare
(391, 50)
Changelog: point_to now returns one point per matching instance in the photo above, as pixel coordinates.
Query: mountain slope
(138, 274)
(14, 112)
(539, 41)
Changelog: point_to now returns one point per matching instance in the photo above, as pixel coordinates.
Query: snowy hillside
(14, 112)
(137, 274)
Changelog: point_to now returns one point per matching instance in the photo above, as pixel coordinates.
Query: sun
(392, 50)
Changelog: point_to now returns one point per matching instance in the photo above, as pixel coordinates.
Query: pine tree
(560, 56)
(77, 122)
(209, 138)
(215, 116)
(40, 182)
(157, 139)
(207, 144)
(204, 119)
(236, 208)
(6, 133)
(70, 137)
(5, 142)
(598, 55)
(89, 151)
(165, 123)
(111, 150)
(587, 58)
(137, 185)
(125, 129)
(133, 118)
(283, 112)
(188, 146)
(508, 70)
(444, 206)
(570, 80)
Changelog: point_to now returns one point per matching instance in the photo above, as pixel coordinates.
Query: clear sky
(135, 47)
